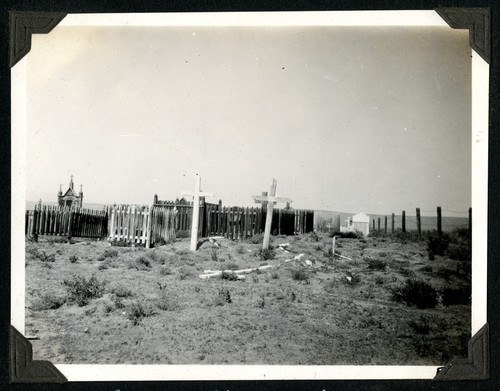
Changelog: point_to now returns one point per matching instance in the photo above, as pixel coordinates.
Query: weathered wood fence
(139, 224)
(237, 222)
(53, 220)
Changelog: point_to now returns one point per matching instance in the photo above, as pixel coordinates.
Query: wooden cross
(196, 210)
(271, 199)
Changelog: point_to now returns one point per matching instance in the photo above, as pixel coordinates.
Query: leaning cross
(196, 210)
(271, 199)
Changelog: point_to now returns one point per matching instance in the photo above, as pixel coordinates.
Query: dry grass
(154, 308)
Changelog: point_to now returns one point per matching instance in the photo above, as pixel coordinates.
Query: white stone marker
(196, 210)
(271, 200)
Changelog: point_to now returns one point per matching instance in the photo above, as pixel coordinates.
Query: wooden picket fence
(139, 224)
(237, 222)
(57, 221)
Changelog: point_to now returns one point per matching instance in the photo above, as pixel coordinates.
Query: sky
(345, 118)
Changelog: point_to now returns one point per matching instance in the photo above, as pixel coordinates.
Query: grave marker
(270, 199)
(196, 210)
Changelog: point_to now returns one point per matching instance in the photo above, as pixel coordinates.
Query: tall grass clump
(375, 263)
(416, 292)
(266, 253)
(456, 296)
(437, 244)
(81, 291)
(138, 311)
(300, 275)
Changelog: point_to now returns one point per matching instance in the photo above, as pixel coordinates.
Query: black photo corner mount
(23, 369)
(477, 21)
(476, 366)
(23, 24)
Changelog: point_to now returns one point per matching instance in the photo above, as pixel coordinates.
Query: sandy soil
(340, 312)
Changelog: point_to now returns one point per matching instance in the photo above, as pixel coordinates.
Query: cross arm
(271, 199)
(196, 194)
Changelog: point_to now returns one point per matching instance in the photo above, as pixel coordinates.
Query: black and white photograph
(250, 192)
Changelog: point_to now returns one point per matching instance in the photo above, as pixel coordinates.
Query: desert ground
(398, 300)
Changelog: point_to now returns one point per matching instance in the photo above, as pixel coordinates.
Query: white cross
(271, 199)
(196, 210)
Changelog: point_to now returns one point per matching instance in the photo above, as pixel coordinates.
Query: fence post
(392, 223)
(439, 225)
(148, 226)
(378, 224)
(470, 224)
(34, 232)
(385, 224)
(419, 226)
(373, 224)
(70, 226)
(403, 221)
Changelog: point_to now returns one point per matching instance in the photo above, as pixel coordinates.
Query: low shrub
(166, 300)
(214, 255)
(231, 266)
(138, 311)
(47, 302)
(256, 239)
(157, 257)
(275, 275)
(262, 302)
(144, 261)
(437, 245)
(110, 253)
(300, 275)
(421, 326)
(122, 291)
(416, 292)
(314, 237)
(379, 280)
(459, 252)
(456, 296)
(44, 257)
(165, 271)
(184, 273)
(375, 263)
(352, 279)
(240, 249)
(223, 297)
(266, 253)
(348, 235)
(81, 290)
(73, 259)
(231, 276)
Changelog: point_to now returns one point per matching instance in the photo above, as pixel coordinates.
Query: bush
(266, 253)
(437, 245)
(232, 266)
(144, 261)
(110, 253)
(457, 296)
(44, 257)
(416, 292)
(214, 255)
(348, 235)
(314, 237)
(231, 276)
(375, 263)
(459, 252)
(223, 297)
(274, 276)
(137, 311)
(167, 301)
(300, 275)
(73, 259)
(165, 271)
(47, 302)
(421, 326)
(122, 291)
(81, 290)
(240, 249)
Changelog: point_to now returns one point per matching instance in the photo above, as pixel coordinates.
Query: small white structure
(359, 222)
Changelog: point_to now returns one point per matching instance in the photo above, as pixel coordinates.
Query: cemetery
(315, 298)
